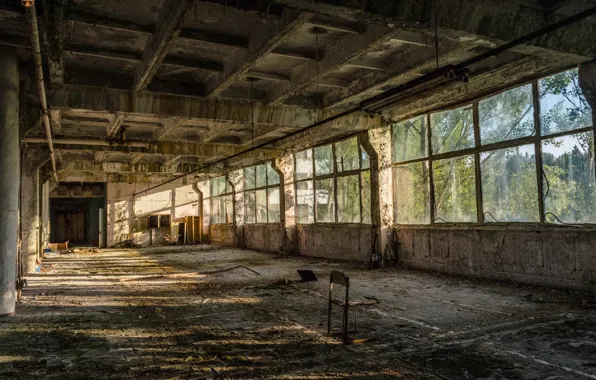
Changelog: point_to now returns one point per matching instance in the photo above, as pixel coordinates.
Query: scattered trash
(229, 269)
(307, 275)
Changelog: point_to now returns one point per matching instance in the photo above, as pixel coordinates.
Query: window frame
(334, 175)
(267, 187)
(222, 195)
(536, 139)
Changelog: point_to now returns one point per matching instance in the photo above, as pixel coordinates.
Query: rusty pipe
(34, 31)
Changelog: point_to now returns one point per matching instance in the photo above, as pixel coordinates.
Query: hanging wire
(317, 75)
(436, 35)
(252, 116)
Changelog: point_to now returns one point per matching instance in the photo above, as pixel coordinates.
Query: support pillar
(33, 159)
(285, 166)
(236, 180)
(380, 141)
(9, 185)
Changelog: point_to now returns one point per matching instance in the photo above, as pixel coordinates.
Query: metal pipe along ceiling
(34, 31)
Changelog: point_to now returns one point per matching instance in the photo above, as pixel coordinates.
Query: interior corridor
(158, 313)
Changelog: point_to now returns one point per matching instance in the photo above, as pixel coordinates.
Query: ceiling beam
(261, 44)
(367, 63)
(407, 68)
(93, 20)
(167, 148)
(465, 21)
(115, 124)
(214, 110)
(293, 54)
(172, 16)
(346, 49)
(54, 38)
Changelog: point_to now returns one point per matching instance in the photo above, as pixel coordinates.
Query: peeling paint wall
(555, 257)
(222, 234)
(335, 241)
(264, 237)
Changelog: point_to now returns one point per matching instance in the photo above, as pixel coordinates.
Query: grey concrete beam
(171, 148)
(93, 20)
(348, 48)
(261, 44)
(463, 21)
(350, 124)
(171, 16)
(54, 38)
(410, 66)
(480, 85)
(218, 110)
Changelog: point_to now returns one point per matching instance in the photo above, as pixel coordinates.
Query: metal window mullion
(335, 203)
(431, 185)
(538, 151)
(477, 169)
(566, 133)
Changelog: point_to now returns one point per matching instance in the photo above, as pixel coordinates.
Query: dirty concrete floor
(153, 314)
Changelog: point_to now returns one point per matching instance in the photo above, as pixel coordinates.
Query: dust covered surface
(155, 314)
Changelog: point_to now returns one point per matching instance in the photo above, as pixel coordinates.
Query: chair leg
(329, 308)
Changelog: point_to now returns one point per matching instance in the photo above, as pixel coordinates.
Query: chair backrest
(339, 278)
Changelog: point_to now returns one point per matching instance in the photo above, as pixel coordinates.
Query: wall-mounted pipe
(34, 31)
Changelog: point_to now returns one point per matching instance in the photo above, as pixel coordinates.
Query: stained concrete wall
(222, 234)
(555, 257)
(335, 241)
(264, 237)
(123, 208)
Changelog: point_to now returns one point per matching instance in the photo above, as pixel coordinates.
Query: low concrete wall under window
(335, 241)
(265, 237)
(543, 256)
(222, 234)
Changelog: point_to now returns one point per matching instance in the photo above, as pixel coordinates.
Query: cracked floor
(162, 313)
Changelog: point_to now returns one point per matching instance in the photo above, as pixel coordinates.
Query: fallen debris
(229, 269)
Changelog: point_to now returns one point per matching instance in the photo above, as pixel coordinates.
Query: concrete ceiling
(179, 75)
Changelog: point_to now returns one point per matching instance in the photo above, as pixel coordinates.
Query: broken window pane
(304, 166)
(229, 206)
(250, 207)
(364, 158)
(274, 205)
(365, 193)
(507, 116)
(323, 160)
(261, 196)
(452, 130)
(249, 178)
(272, 175)
(346, 155)
(509, 189)
(305, 202)
(324, 201)
(409, 139)
(412, 194)
(569, 183)
(348, 199)
(563, 106)
(261, 180)
(455, 189)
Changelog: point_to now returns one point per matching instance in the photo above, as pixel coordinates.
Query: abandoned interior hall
(298, 189)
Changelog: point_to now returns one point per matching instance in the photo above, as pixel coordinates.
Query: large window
(222, 201)
(261, 194)
(523, 155)
(333, 184)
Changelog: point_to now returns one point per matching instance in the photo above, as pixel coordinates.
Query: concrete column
(33, 159)
(236, 180)
(205, 188)
(45, 214)
(375, 204)
(285, 166)
(380, 140)
(9, 185)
